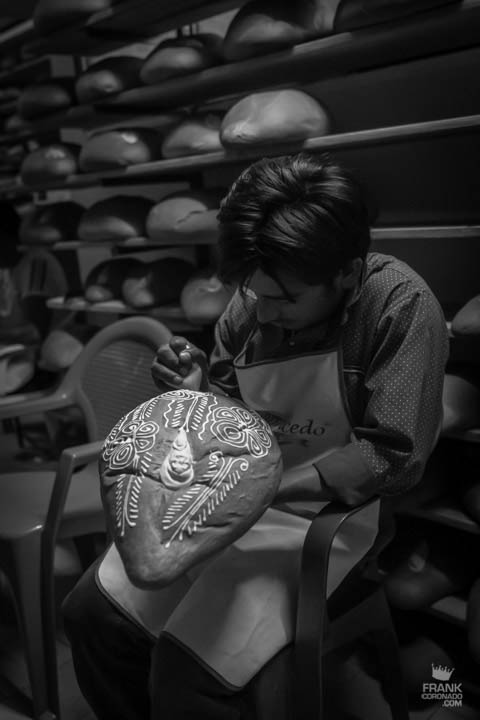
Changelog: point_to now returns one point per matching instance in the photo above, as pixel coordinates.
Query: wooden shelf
(445, 511)
(172, 315)
(316, 60)
(448, 29)
(181, 166)
(405, 233)
(452, 608)
(470, 436)
(431, 232)
(127, 22)
(26, 72)
(18, 35)
(134, 243)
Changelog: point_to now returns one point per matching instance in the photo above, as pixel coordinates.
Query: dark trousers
(125, 675)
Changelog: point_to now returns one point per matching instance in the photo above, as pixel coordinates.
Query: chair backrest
(112, 374)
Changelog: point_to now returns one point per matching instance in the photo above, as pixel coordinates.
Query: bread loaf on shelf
(274, 116)
(106, 77)
(184, 217)
(49, 163)
(155, 283)
(114, 219)
(195, 135)
(181, 56)
(52, 223)
(120, 148)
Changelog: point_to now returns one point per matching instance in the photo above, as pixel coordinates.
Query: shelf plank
(445, 511)
(172, 315)
(181, 166)
(424, 33)
(316, 60)
(127, 22)
(430, 232)
(451, 28)
(470, 436)
(405, 233)
(452, 608)
(20, 34)
(134, 243)
(24, 73)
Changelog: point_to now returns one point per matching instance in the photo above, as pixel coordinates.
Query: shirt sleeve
(231, 333)
(403, 409)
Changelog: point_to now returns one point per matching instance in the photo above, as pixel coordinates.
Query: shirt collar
(353, 295)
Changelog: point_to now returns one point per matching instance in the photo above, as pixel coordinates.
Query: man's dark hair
(299, 214)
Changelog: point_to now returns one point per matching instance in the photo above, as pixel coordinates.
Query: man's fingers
(175, 361)
(162, 375)
(178, 343)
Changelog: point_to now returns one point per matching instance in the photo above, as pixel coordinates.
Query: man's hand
(179, 364)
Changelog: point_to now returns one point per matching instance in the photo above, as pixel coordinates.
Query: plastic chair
(357, 607)
(110, 376)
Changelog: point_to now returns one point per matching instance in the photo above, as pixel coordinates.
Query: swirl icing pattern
(238, 427)
(129, 439)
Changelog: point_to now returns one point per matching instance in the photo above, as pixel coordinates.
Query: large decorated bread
(183, 475)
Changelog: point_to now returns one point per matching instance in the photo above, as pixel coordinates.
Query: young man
(343, 352)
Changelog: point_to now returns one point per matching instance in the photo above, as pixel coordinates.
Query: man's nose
(267, 310)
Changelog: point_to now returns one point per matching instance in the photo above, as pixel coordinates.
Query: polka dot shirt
(394, 345)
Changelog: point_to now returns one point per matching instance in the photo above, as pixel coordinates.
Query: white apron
(237, 610)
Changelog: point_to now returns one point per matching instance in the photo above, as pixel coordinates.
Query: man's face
(291, 303)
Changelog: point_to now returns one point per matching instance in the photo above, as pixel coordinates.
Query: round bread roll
(44, 98)
(467, 319)
(14, 123)
(352, 14)
(104, 281)
(461, 403)
(115, 219)
(108, 76)
(16, 369)
(62, 346)
(156, 283)
(264, 26)
(49, 224)
(181, 56)
(194, 136)
(120, 148)
(274, 116)
(49, 163)
(185, 216)
(204, 468)
(49, 15)
(204, 298)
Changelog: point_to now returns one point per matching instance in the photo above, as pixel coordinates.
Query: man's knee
(83, 606)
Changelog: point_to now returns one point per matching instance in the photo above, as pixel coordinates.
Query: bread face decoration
(183, 475)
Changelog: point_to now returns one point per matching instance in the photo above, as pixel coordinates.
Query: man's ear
(351, 274)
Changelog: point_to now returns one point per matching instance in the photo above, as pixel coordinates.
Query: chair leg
(386, 643)
(25, 576)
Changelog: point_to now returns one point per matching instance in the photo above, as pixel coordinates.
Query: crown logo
(441, 673)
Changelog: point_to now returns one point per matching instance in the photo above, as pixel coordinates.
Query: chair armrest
(32, 403)
(70, 459)
(314, 568)
(321, 534)
(312, 603)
